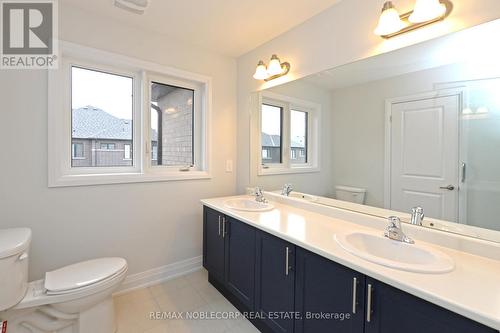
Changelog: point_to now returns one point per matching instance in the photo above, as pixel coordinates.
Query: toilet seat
(82, 276)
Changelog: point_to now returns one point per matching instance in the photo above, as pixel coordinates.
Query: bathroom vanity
(284, 267)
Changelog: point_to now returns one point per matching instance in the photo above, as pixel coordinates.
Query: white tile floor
(189, 293)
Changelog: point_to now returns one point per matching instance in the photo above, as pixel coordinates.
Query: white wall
(151, 224)
(339, 35)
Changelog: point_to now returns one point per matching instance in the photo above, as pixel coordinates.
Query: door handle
(464, 172)
(449, 187)
(369, 303)
(354, 296)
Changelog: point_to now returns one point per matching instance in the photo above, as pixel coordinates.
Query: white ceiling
(230, 27)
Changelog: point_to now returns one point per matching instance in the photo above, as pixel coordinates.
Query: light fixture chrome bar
(414, 26)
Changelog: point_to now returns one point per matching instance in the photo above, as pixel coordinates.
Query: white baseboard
(159, 274)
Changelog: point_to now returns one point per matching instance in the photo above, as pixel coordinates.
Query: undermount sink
(248, 205)
(383, 251)
(298, 195)
(303, 196)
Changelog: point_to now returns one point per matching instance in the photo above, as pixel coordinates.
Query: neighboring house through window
(289, 135)
(77, 151)
(96, 108)
(108, 146)
(127, 152)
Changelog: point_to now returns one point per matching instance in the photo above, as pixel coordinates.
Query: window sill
(125, 178)
(285, 171)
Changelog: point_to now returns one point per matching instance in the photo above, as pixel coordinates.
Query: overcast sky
(271, 122)
(111, 93)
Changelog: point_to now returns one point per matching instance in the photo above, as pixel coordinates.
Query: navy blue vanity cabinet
(213, 243)
(389, 310)
(275, 282)
(240, 261)
(329, 296)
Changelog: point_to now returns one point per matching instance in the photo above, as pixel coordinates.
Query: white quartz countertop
(472, 289)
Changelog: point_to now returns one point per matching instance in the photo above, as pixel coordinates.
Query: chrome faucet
(259, 196)
(287, 189)
(395, 232)
(417, 215)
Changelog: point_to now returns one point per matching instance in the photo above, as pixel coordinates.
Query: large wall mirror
(419, 126)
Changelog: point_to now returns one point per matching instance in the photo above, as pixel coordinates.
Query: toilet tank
(14, 247)
(350, 194)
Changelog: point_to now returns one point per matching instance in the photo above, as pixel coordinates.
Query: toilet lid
(83, 274)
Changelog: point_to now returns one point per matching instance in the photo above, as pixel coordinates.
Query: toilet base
(46, 319)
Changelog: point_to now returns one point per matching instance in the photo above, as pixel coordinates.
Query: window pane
(172, 120)
(271, 134)
(298, 136)
(101, 118)
(127, 153)
(77, 150)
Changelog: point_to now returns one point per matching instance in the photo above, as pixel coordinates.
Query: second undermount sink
(303, 196)
(383, 251)
(248, 205)
(299, 195)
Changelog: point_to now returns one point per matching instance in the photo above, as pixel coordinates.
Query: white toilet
(350, 194)
(73, 299)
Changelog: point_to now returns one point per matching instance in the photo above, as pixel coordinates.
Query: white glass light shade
(426, 10)
(274, 67)
(389, 21)
(260, 72)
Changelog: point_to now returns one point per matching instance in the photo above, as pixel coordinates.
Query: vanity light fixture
(275, 69)
(426, 12)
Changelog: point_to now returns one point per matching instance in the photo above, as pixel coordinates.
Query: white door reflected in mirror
(407, 131)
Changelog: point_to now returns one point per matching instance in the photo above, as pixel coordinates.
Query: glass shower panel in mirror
(480, 154)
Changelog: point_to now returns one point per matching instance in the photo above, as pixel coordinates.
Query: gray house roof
(271, 140)
(93, 123)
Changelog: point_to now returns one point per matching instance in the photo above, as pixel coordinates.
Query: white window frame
(288, 103)
(284, 129)
(198, 119)
(60, 172)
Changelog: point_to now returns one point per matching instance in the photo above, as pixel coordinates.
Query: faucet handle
(257, 191)
(394, 222)
(287, 188)
(417, 215)
(418, 211)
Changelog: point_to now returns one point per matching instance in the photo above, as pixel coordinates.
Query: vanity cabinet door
(329, 297)
(395, 311)
(240, 261)
(213, 243)
(275, 281)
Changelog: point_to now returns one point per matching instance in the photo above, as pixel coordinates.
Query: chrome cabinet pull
(219, 225)
(369, 303)
(223, 227)
(354, 296)
(286, 261)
